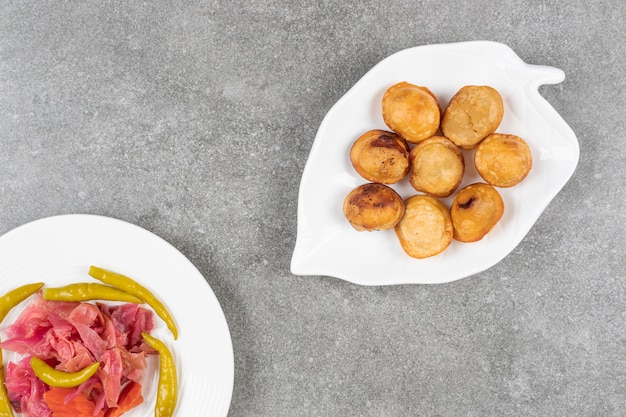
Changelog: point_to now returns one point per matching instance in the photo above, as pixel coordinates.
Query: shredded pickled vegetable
(70, 336)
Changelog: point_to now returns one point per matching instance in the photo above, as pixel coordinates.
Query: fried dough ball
(472, 114)
(411, 111)
(437, 167)
(380, 156)
(373, 206)
(476, 209)
(426, 227)
(503, 160)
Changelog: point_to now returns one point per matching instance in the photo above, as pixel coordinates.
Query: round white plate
(59, 250)
(327, 245)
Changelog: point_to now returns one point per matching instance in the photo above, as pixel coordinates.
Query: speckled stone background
(194, 120)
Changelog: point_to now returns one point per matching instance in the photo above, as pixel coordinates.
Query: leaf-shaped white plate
(327, 245)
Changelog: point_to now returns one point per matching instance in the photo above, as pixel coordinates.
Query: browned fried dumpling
(411, 111)
(476, 209)
(437, 167)
(426, 227)
(373, 206)
(503, 160)
(472, 114)
(380, 156)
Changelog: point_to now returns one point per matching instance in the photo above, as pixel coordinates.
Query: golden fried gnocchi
(426, 227)
(472, 114)
(503, 160)
(380, 156)
(476, 209)
(411, 111)
(373, 206)
(438, 167)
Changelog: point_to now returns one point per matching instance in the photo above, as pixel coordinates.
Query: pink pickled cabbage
(26, 390)
(70, 336)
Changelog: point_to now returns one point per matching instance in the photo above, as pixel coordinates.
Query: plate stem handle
(542, 74)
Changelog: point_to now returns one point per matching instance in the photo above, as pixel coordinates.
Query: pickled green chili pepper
(6, 410)
(129, 285)
(56, 378)
(16, 296)
(167, 390)
(88, 291)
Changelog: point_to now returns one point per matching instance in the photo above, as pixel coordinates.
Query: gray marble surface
(194, 120)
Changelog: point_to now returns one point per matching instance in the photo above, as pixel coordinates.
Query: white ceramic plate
(327, 245)
(59, 250)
